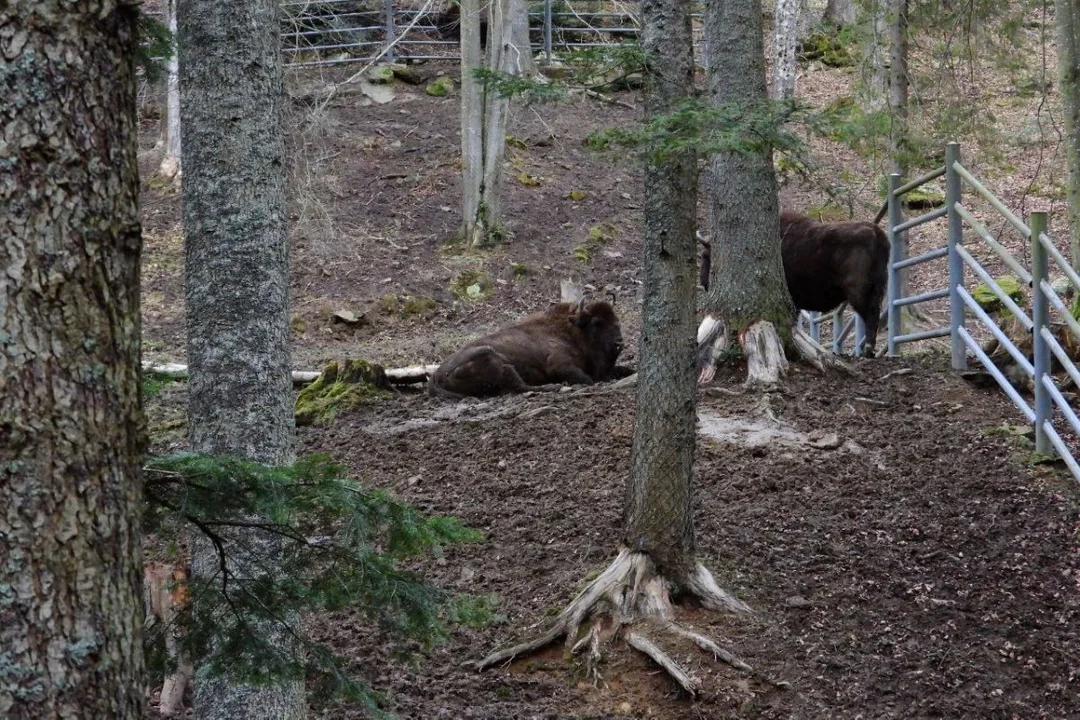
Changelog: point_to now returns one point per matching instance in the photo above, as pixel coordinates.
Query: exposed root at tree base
(630, 599)
(766, 361)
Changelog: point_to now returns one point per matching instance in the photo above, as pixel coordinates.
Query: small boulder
(440, 87)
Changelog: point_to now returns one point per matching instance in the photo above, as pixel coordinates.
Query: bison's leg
(479, 372)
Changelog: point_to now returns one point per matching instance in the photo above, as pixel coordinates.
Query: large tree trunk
(71, 426)
(631, 599)
(1068, 20)
(237, 258)
(747, 283)
(483, 121)
(657, 508)
(521, 57)
(170, 161)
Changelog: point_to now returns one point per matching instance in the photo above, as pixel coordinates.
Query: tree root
(631, 593)
(815, 354)
(766, 361)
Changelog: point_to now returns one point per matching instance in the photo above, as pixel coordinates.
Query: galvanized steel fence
(319, 33)
(1049, 403)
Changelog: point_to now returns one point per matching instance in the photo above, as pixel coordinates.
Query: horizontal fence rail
(1049, 403)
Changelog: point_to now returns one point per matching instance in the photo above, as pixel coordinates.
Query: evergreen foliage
(156, 46)
(340, 547)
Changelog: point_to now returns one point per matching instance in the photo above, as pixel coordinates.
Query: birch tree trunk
(786, 41)
(71, 427)
(483, 121)
(170, 162)
(239, 388)
(747, 282)
(1068, 21)
(657, 508)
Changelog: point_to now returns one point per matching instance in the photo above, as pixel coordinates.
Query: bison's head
(602, 335)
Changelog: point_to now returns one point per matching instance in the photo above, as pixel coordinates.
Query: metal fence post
(815, 326)
(388, 14)
(956, 264)
(896, 254)
(1040, 316)
(547, 31)
(837, 328)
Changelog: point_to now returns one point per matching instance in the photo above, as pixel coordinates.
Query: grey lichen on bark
(71, 427)
(237, 281)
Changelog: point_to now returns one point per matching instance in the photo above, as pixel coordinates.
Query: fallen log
(396, 376)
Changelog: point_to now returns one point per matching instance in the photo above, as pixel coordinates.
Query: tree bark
(898, 86)
(657, 508)
(240, 391)
(520, 50)
(747, 280)
(786, 40)
(872, 93)
(1068, 21)
(170, 163)
(840, 13)
(483, 121)
(71, 426)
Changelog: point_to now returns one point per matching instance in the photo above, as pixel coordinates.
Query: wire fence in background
(333, 32)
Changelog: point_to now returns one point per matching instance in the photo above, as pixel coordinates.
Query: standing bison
(826, 264)
(569, 343)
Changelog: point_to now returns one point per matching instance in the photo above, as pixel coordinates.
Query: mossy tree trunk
(747, 282)
(1068, 22)
(237, 281)
(71, 427)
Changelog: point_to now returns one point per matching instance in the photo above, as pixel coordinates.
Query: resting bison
(569, 343)
(826, 264)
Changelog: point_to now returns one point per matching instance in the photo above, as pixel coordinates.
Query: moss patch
(828, 49)
(472, 285)
(990, 302)
(924, 199)
(343, 385)
(440, 87)
(827, 212)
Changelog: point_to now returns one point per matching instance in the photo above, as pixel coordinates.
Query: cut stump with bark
(632, 600)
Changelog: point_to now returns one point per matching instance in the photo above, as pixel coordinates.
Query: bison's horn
(581, 305)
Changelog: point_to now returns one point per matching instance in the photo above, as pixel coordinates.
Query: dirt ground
(921, 568)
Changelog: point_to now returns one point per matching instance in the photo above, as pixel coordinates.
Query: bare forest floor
(923, 569)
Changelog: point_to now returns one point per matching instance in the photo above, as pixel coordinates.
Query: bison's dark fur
(569, 343)
(826, 264)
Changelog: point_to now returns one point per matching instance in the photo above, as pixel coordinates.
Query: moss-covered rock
(925, 198)
(380, 73)
(440, 87)
(990, 302)
(343, 385)
(828, 49)
(827, 212)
